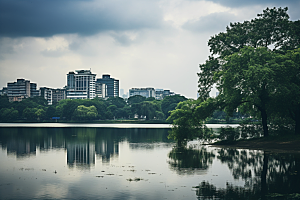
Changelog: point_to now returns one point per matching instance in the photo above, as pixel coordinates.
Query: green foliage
(50, 112)
(8, 114)
(186, 123)
(170, 102)
(113, 108)
(146, 109)
(4, 103)
(150, 99)
(30, 113)
(85, 113)
(159, 115)
(229, 133)
(249, 74)
(40, 114)
(117, 101)
(136, 99)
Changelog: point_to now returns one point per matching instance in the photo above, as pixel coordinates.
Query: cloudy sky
(143, 43)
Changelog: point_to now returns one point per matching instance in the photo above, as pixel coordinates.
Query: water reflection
(21, 148)
(96, 163)
(266, 175)
(185, 160)
(83, 145)
(81, 154)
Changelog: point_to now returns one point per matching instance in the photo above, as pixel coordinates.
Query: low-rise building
(145, 92)
(3, 91)
(58, 94)
(46, 93)
(161, 94)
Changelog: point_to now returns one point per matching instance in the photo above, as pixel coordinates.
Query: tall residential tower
(107, 87)
(81, 85)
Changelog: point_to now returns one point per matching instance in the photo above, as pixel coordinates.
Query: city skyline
(113, 91)
(157, 44)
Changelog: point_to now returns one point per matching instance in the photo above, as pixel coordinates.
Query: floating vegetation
(132, 170)
(44, 170)
(135, 179)
(110, 174)
(151, 173)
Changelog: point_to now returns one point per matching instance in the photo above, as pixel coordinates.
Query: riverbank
(93, 121)
(283, 143)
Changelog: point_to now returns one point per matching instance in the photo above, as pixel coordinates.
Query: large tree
(243, 63)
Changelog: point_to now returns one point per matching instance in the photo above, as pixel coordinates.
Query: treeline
(36, 109)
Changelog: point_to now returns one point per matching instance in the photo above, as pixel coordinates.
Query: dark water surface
(136, 163)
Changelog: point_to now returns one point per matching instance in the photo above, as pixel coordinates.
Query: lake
(90, 162)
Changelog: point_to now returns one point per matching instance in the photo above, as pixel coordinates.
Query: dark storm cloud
(43, 18)
(212, 23)
(239, 3)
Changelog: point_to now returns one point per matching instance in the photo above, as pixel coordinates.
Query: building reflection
(80, 154)
(106, 150)
(21, 148)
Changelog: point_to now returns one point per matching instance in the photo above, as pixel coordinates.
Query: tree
(186, 123)
(136, 99)
(117, 101)
(4, 102)
(40, 114)
(170, 102)
(8, 114)
(243, 63)
(30, 113)
(67, 108)
(50, 112)
(146, 108)
(85, 113)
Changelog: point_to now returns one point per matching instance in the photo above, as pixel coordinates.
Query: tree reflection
(186, 160)
(206, 190)
(266, 175)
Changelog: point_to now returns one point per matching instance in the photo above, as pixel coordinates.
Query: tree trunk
(264, 176)
(265, 122)
(297, 120)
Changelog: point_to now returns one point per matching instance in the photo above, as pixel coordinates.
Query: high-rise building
(107, 87)
(81, 85)
(145, 92)
(21, 89)
(121, 92)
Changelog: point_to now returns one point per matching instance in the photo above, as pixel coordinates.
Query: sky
(142, 43)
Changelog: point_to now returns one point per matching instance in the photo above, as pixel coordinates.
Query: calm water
(135, 163)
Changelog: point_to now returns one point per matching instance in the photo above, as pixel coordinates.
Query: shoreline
(278, 144)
